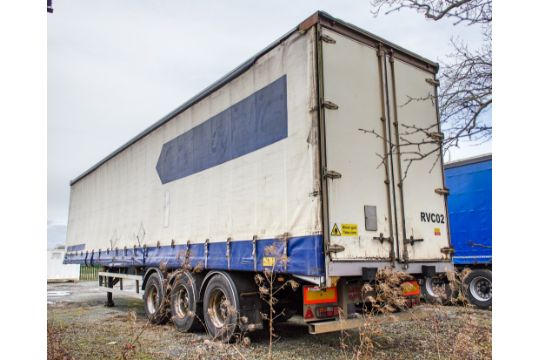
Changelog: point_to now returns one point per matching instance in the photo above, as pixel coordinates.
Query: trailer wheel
(435, 290)
(478, 288)
(186, 311)
(221, 307)
(153, 297)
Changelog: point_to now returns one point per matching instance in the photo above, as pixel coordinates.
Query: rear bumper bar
(347, 324)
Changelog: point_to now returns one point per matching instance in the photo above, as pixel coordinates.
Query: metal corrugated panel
(470, 206)
(240, 70)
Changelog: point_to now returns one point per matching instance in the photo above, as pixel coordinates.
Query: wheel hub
(219, 308)
(435, 287)
(152, 300)
(181, 302)
(480, 288)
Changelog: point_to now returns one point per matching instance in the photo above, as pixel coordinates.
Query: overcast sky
(116, 67)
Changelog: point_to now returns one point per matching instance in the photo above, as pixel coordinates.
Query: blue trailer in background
(469, 209)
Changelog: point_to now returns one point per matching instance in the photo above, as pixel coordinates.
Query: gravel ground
(81, 327)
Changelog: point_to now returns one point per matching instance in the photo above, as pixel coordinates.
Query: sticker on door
(335, 231)
(346, 230)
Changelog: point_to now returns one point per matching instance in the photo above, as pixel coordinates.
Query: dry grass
(101, 333)
(269, 289)
(55, 349)
(464, 337)
(81, 331)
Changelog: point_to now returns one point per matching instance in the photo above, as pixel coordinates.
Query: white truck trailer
(273, 156)
(57, 270)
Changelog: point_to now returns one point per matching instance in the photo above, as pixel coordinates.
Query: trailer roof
(319, 17)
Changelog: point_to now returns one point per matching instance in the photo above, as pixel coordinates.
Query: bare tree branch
(464, 95)
(469, 11)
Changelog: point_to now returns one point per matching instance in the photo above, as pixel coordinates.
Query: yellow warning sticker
(349, 229)
(437, 231)
(269, 261)
(335, 230)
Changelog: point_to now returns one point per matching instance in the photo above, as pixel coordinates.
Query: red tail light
(309, 314)
(327, 311)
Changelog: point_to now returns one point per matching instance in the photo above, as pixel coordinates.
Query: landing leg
(110, 302)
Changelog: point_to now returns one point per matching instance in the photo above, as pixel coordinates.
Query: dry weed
(55, 348)
(268, 289)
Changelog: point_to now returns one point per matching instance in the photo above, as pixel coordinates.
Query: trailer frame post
(228, 253)
(254, 252)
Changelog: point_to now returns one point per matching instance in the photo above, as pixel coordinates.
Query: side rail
(107, 282)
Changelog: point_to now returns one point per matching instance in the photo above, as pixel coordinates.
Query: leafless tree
(465, 81)
(469, 11)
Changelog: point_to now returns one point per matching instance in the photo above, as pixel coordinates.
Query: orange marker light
(410, 288)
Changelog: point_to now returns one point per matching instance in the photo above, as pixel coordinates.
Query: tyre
(478, 288)
(436, 290)
(153, 297)
(220, 307)
(185, 308)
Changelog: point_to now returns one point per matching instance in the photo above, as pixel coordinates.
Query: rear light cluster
(323, 312)
(327, 311)
(320, 303)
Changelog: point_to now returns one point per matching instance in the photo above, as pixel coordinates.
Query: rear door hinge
(433, 82)
(437, 136)
(327, 39)
(442, 191)
(331, 174)
(448, 251)
(329, 105)
(335, 248)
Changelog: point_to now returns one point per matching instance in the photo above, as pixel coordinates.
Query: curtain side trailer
(274, 167)
(469, 207)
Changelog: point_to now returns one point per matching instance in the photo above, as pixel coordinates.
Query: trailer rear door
(421, 203)
(381, 205)
(359, 207)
